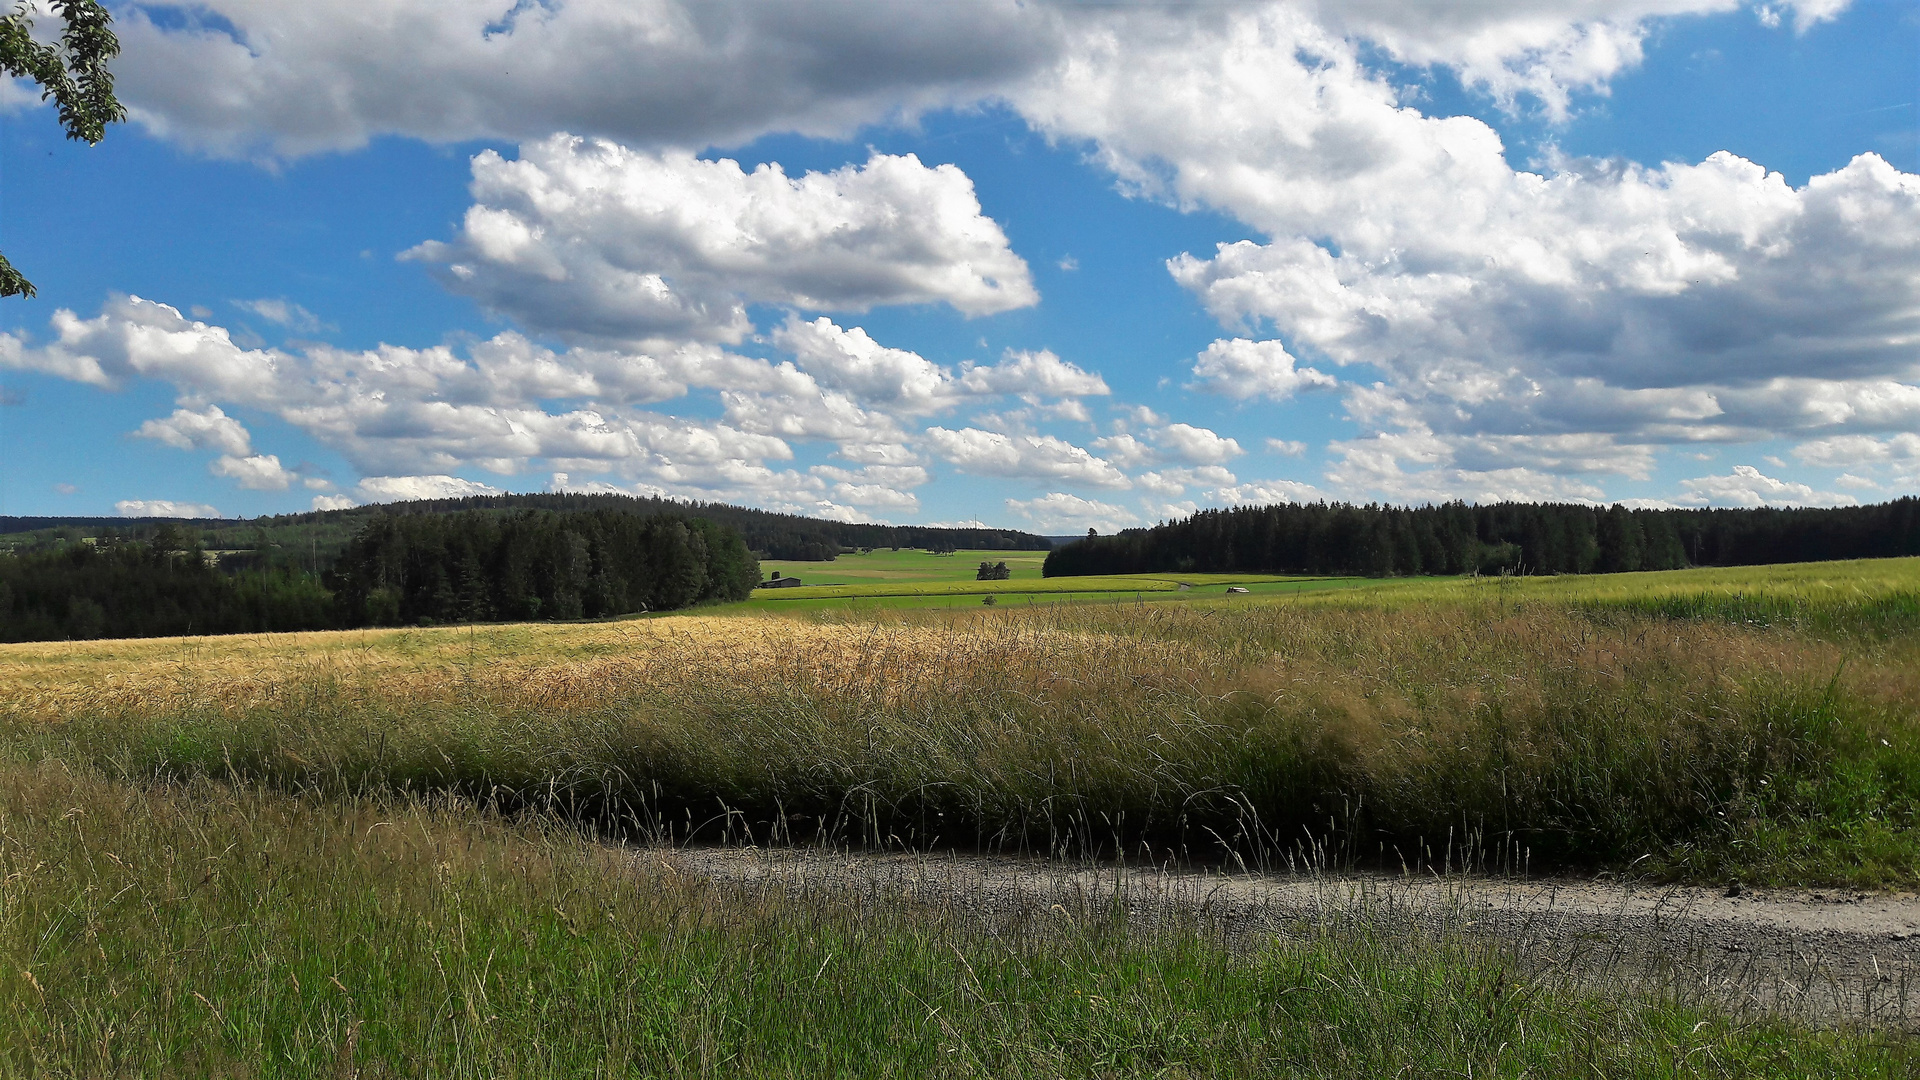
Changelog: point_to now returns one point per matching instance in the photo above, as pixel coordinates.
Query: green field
(1849, 595)
(909, 572)
(920, 579)
(882, 566)
(1814, 583)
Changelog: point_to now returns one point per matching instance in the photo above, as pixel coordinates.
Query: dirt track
(1822, 955)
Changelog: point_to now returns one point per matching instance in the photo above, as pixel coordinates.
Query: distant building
(778, 582)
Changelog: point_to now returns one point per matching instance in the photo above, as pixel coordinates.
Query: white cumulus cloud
(1855, 451)
(1241, 368)
(240, 76)
(395, 411)
(1062, 511)
(1630, 306)
(1500, 332)
(592, 240)
(991, 453)
(1748, 486)
(211, 428)
(1196, 445)
(849, 360)
(409, 488)
(1172, 482)
(189, 429)
(255, 472)
(1033, 374)
(1179, 444)
(1266, 493)
(163, 508)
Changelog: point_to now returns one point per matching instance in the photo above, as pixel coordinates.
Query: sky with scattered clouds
(1045, 264)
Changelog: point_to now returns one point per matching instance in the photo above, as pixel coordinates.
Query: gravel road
(1818, 954)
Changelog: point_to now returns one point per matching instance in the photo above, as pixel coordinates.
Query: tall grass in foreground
(1531, 736)
(213, 930)
(1883, 616)
(1852, 601)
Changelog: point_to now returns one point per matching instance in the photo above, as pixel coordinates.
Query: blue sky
(1525, 249)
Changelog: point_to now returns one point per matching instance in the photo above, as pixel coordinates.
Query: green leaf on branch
(12, 284)
(73, 74)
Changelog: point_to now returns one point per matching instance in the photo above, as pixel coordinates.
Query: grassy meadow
(383, 852)
(883, 566)
(216, 929)
(884, 579)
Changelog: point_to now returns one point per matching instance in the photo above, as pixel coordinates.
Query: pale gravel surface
(1820, 954)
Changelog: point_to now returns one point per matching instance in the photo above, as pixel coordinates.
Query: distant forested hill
(397, 569)
(499, 557)
(161, 586)
(776, 536)
(1530, 538)
(314, 540)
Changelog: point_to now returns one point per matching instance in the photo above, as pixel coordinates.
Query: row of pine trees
(1456, 538)
(773, 535)
(161, 587)
(410, 569)
(475, 567)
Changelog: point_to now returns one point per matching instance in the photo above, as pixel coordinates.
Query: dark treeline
(773, 536)
(156, 588)
(398, 569)
(35, 524)
(476, 566)
(310, 542)
(1455, 538)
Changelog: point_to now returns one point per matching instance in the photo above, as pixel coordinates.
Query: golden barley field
(584, 662)
(562, 667)
(1670, 729)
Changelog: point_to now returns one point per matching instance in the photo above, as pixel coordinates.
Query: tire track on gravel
(1821, 955)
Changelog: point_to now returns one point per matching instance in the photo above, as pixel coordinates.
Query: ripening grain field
(1757, 725)
(293, 854)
